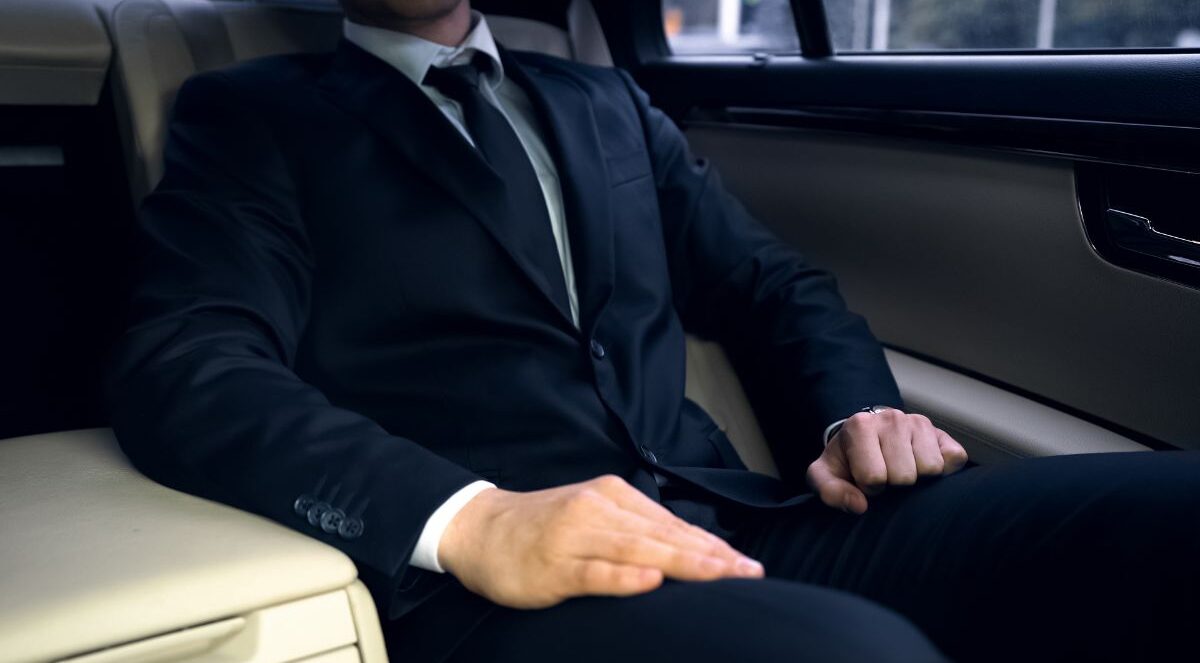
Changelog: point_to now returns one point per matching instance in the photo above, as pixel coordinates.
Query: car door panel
(977, 258)
(103, 564)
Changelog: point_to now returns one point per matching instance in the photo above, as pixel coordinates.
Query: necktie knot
(460, 80)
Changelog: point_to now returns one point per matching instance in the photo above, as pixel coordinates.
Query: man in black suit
(425, 299)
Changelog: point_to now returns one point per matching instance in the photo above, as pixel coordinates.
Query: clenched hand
(872, 451)
(599, 537)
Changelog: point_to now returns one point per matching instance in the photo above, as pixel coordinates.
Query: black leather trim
(1159, 146)
(1141, 88)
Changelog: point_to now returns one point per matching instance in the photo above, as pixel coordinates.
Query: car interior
(1015, 226)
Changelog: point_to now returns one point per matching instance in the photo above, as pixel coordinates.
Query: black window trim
(812, 26)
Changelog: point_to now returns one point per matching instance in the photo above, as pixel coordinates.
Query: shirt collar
(413, 56)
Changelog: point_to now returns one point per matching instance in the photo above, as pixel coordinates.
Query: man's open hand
(601, 537)
(872, 451)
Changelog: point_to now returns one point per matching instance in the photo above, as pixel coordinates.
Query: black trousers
(1070, 558)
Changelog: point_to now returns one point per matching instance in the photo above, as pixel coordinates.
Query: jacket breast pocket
(628, 168)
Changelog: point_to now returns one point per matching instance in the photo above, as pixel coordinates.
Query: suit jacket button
(351, 528)
(598, 350)
(647, 454)
(316, 512)
(303, 504)
(332, 519)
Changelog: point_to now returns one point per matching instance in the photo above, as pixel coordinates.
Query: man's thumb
(835, 491)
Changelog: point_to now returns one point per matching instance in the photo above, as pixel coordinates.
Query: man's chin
(401, 11)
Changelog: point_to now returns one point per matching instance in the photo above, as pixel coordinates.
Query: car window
(729, 26)
(930, 25)
(745, 26)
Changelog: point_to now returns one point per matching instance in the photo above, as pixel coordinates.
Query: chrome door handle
(1137, 233)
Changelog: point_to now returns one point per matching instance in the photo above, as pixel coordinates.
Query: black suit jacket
(332, 319)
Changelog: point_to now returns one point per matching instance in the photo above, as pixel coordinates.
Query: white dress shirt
(413, 57)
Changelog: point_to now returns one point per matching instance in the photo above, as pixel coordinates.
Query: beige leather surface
(259, 30)
(587, 36)
(93, 554)
(713, 385)
(521, 34)
(183, 644)
(995, 425)
(366, 622)
(977, 258)
(292, 631)
(52, 52)
(343, 655)
(151, 60)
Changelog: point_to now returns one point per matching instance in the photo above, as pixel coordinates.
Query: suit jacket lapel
(571, 134)
(399, 111)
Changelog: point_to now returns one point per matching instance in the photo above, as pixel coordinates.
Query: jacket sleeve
(201, 389)
(806, 360)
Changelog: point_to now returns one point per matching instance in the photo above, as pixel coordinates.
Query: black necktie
(525, 214)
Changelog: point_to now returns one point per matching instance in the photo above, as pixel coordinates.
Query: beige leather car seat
(160, 43)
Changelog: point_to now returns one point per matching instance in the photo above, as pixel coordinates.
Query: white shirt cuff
(829, 430)
(425, 556)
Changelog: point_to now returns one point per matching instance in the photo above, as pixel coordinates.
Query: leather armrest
(995, 425)
(94, 555)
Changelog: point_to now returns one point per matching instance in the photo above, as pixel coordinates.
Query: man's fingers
(834, 490)
(629, 498)
(604, 578)
(864, 457)
(690, 539)
(873, 451)
(653, 519)
(896, 444)
(952, 452)
(643, 551)
(926, 449)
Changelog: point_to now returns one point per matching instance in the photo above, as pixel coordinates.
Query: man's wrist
(426, 554)
(467, 527)
(833, 429)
